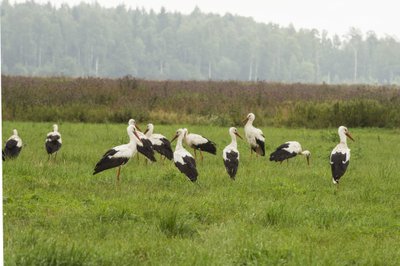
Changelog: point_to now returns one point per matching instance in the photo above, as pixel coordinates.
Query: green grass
(58, 213)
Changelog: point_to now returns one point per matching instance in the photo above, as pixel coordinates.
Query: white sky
(335, 16)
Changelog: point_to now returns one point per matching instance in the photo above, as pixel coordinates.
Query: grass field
(58, 213)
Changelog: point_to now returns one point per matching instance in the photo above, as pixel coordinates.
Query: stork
(254, 136)
(340, 155)
(289, 150)
(53, 141)
(144, 147)
(119, 155)
(183, 160)
(13, 146)
(230, 154)
(198, 142)
(159, 142)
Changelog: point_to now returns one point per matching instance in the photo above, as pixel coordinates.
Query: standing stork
(254, 136)
(159, 142)
(340, 155)
(119, 155)
(198, 142)
(13, 146)
(231, 154)
(53, 141)
(144, 147)
(289, 150)
(183, 160)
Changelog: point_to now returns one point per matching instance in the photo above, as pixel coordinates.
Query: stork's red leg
(118, 173)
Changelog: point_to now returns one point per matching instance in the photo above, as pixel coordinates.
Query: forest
(90, 40)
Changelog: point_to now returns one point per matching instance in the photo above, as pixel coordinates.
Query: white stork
(13, 146)
(183, 160)
(340, 155)
(288, 150)
(119, 155)
(144, 147)
(198, 142)
(53, 141)
(159, 142)
(254, 136)
(230, 154)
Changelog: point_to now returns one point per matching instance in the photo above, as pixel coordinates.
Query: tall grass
(222, 103)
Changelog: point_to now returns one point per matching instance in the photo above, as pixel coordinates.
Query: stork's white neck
(150, 130)
(249, 122)
(179, 142)
(234, 141)
(132, 137)
(343, 138)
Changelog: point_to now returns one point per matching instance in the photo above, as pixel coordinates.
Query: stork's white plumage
(183, 160)
(119, 155)
(13, 146)
(254, 136)
(340, 155)
(289, 150)
(53, 141)
(230, 154)
(198, 142)
(144, 147)
(159, 142)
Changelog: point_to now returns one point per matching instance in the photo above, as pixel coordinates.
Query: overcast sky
(335, 16)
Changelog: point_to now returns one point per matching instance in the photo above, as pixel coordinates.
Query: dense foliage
(222, 103)
(89, 40)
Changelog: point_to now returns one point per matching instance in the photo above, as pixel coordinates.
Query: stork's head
(308, 155)
(150, 127)
(133, 122)
(250, 117)
(15, 132)
(234, 131)
(55, 128)
(343, 131)
(180, 132)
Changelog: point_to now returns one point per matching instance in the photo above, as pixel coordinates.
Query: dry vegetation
(199, 102)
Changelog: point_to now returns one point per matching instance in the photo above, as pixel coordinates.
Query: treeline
(223, 103)
(89, 40)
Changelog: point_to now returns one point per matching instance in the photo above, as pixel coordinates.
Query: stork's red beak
(245, 120)
(147, 130)
(350, 137)
(237, 134)
(136, 134)
(138, 128)
(308, 160)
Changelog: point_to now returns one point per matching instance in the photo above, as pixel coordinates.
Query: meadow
(58, 213)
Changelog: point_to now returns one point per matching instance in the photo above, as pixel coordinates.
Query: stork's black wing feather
(146, 149)
(188, 168)
(231, 163)
(107, 161)
(280, 154)
(337, 166)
